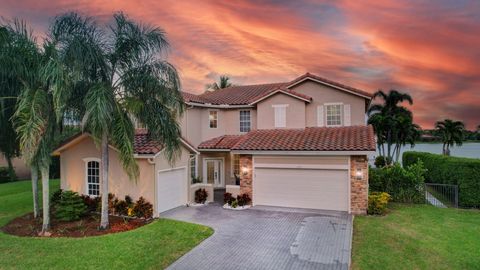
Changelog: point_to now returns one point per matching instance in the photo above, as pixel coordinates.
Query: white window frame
(232, 165)
(277, 122)
(325, 107)
(245, 121)
(194, 172)
(209, 120)
(86, 161)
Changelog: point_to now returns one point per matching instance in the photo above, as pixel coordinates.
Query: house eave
(331, 85)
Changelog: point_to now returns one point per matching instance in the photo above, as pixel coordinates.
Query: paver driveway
(267, 238)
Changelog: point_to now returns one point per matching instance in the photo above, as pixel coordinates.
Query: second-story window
(245, 121)
(280, 115)
(213, 119)
(334, 114)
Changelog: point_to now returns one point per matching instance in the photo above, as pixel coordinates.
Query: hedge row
(464, 172)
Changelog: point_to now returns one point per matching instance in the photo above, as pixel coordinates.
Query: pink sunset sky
(430, 49)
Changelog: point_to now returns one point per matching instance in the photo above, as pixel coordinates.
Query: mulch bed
(87, 226)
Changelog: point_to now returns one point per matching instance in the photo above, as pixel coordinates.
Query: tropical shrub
(70, 206)
(228, 198)
(142, 208)
(55, 198)
(4, 175)
(377, 203)
(381, 161)
(464, 172)
(92, 203)
(121, 207)
(201, 195)
(234, 204)
(403, 184)
(243, 199)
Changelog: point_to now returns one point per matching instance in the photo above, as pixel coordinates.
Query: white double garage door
(302, 182)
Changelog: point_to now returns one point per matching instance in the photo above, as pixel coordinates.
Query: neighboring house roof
(353, 138)
(142, 144)
(246, 95)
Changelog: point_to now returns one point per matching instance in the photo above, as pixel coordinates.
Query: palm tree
(223, 82)
(451, 132)
(106, 78)
(385, 117)
(17, 50)
(34, 116)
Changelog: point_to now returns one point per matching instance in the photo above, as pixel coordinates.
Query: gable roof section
(142, 144)
(340, 86)
(248, 95)
(354, 138)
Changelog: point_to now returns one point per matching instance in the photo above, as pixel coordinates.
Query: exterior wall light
(244, 170)
(359, 174)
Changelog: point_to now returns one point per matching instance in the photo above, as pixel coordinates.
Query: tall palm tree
(34, 115)
(223, 82)
(451, 132)
(385, 117)
(106, 75)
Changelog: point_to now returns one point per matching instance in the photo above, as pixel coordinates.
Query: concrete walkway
(267, 238)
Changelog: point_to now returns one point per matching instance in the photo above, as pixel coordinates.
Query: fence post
(456, 196)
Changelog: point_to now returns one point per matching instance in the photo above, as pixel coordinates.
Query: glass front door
(213, 172)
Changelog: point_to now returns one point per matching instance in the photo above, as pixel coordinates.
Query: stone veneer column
(246, 179)
(359, 188)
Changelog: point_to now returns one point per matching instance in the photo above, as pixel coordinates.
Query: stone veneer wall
(246, 179)
(359, 188)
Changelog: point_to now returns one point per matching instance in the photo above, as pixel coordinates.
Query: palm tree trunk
(11, 170)
(46, 198)
(104, 167)
(36, 209)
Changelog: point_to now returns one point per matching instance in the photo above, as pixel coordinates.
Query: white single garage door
(171, 189)
(301, 188)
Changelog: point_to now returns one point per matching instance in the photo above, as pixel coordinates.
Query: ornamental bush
(69, 207)
(142, 209)
(464, 172)
(403, 184)
(201, 195)
(377, 203)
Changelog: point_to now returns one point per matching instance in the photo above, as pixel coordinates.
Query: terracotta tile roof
(247, 94)
(354, 138)
(143, 145)
(318, 78)
(222, 142)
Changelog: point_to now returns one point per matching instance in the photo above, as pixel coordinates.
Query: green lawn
(153, 246)
(418, 237)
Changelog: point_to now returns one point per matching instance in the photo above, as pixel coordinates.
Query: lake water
(470, 150)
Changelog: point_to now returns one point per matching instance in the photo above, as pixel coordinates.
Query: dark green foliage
(381, 161)
(143, 209)
(4, 175)
(70, 206)
(129, 200)
(55, 198)
(464, 172)
(243, 199)
(201, 195)
(403, 184)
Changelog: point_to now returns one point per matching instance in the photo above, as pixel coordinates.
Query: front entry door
(213, 172)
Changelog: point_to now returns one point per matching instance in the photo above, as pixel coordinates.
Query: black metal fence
(441, 195)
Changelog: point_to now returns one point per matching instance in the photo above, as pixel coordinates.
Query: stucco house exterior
(301, 144)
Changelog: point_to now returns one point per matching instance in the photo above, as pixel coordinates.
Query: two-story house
(301, 144)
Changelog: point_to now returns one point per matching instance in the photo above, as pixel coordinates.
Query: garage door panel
(171, 189)
(318, 189)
